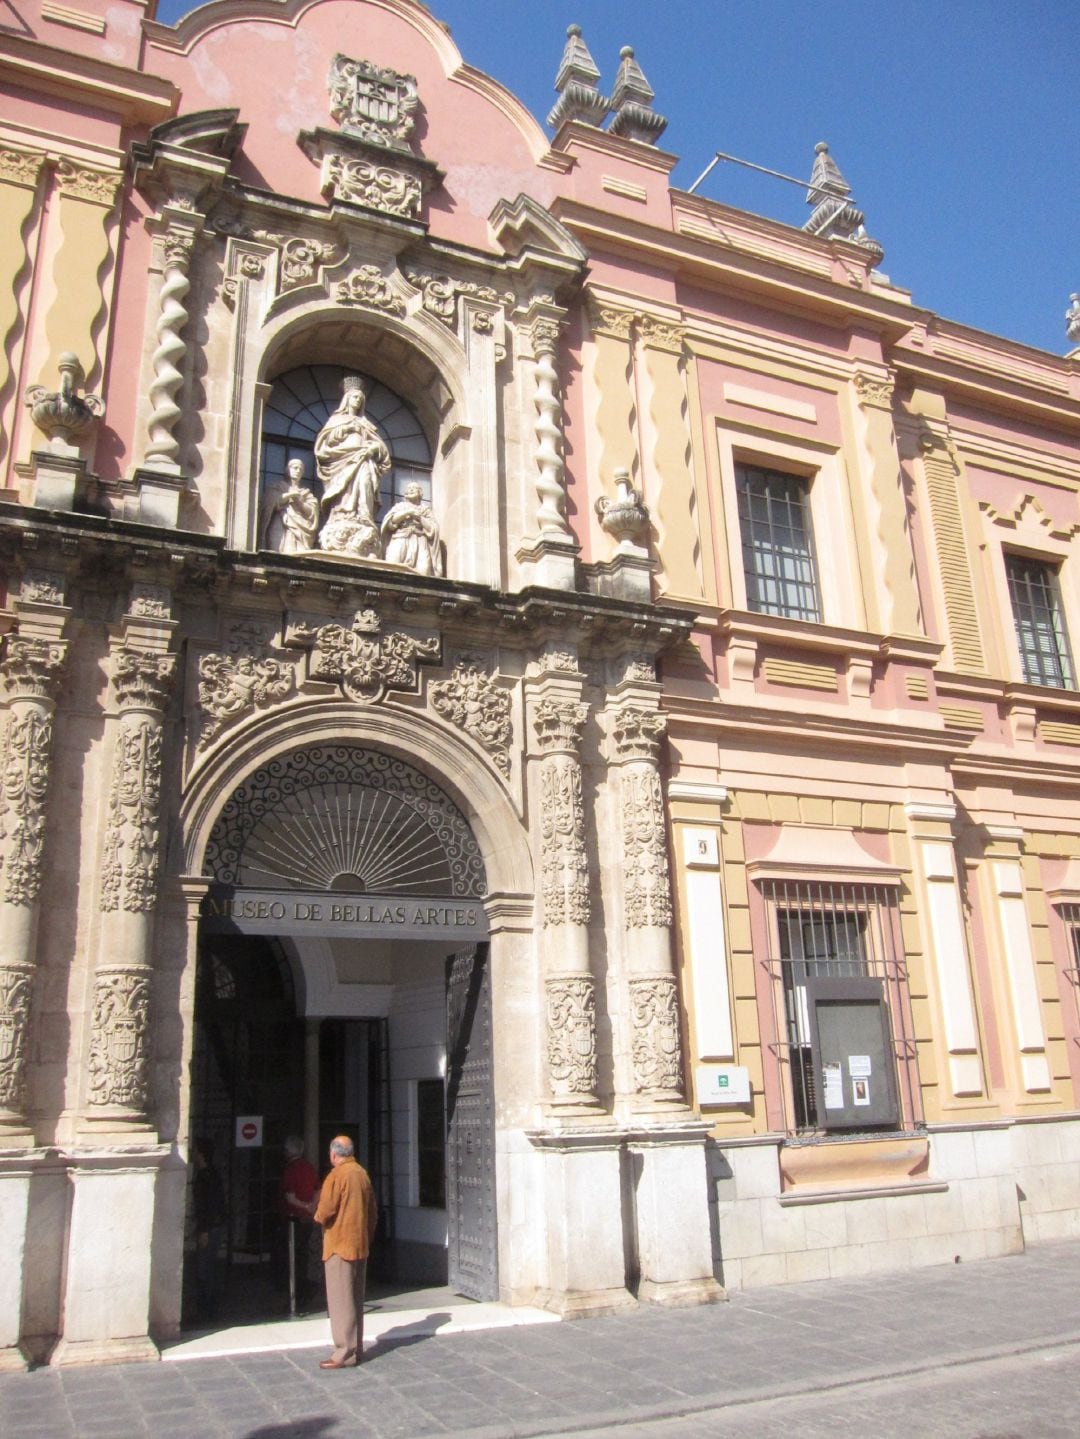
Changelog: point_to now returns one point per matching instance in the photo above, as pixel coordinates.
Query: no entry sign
(249, 1131)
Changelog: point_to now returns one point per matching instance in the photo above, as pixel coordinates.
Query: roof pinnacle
(579, 98)
(834, 216)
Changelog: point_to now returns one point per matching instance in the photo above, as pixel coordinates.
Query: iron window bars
(777, 543)
(1040, 625)
(835, 952)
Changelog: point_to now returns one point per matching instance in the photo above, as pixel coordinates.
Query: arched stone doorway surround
(499, 831)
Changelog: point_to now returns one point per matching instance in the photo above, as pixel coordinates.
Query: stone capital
(558, 725)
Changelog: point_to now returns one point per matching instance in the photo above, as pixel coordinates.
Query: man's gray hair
(294, 1146)
(342, 1146)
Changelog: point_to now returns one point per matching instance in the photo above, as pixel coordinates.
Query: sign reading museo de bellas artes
(228, 910)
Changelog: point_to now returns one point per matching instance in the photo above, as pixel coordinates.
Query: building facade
(561, 679)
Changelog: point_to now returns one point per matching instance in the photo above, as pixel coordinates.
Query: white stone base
(673, 1243)
(109, 1258)
(587, 1304)
(16, 1169)
(70, 1354)
(675, 1295)
(966, 1205)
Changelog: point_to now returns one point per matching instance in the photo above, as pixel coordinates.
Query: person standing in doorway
(299, 1184)
(348, 1213)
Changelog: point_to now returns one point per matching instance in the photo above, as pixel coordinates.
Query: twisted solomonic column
(550, 487)
(163, 449)
(656, 1051)
(30, 670)
(565, 905)
(118, 1092)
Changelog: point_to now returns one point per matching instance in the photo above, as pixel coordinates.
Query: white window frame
(832, 523)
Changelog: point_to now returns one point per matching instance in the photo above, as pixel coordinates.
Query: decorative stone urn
(64, 415)
(625, 518)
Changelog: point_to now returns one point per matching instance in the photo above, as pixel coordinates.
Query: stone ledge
(890, 1191)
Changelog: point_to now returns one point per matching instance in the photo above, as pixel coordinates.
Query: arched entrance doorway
(342, 986)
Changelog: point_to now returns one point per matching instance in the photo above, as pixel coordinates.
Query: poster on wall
(833, 1076)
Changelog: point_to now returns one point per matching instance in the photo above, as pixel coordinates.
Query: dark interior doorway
(248, 1064)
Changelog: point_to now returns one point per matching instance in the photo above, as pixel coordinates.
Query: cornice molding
(125, 92)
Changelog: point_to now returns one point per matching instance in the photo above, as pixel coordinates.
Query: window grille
(839, 945)
(1070, 917)
(777, 544)
(1040, 625)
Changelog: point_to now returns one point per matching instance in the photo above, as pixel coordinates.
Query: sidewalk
(562, 1378)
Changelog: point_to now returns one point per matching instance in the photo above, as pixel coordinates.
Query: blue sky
(955, 122)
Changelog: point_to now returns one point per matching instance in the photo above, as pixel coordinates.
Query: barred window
(1040, 624)
(777, 543)
(846, 1051)
(1070, 917)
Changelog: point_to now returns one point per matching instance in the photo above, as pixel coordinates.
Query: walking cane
(292, 1267)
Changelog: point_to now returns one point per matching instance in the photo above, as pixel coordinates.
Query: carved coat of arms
(371, 102)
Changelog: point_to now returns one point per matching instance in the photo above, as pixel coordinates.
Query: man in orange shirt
(348, 1213)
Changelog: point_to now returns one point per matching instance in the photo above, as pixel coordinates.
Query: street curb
(730, 1399)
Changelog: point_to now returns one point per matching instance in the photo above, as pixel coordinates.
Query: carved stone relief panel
(118, 1042)
(656, 1047)
(231, 686)
(473, 702)
(362, 659)
(16, 985)
(571, 1035)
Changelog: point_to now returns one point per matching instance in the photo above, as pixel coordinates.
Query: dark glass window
(777, 543)
(300, 402)
(1040, 625)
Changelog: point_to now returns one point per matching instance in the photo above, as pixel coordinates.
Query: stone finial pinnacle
(576, 82)
(835, 216)
(631, 100)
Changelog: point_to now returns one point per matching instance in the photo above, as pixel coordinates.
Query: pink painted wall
(274, 72)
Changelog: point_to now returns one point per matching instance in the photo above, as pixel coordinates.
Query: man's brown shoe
(337, 1363)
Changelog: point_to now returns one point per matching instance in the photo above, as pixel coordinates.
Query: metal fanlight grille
(346, 819)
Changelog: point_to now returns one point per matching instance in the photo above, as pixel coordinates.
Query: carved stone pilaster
(31, 669)
(133, 832)
(647, 885)
(656, 1048)
(564, 866)
(637, 735)
(129, 868)
(571, 1035)
(119, 1040)
(558, 727)
(16, 988)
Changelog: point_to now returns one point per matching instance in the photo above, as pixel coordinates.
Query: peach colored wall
(118, 446)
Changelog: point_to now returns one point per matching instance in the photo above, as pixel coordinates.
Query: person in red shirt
(299, 1187)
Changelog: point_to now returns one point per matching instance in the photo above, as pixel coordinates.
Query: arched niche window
(298, 406)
